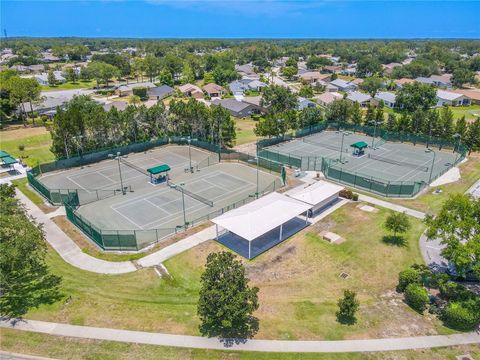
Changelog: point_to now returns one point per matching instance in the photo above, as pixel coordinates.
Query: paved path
(141, 337)
(72, 254)
(417, 214)
(5, 355)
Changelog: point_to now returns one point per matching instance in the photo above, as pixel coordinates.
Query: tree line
(83, 125)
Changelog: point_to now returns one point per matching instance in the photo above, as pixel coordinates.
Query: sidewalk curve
(141, 337)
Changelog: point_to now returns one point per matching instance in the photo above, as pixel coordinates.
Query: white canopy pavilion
(258, 226)
(319, 195)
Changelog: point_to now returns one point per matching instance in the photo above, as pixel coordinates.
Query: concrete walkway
(72, 254)
(417, 214)
(197, 342)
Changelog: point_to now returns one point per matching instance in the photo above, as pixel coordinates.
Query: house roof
(212, 88)
(254, 100)
(245, 68)
(448, 95)
(340, 83)
(328, 97)
(262, 215)
(189, 88)
(359, 145)
(8, 160)
(313, 75)
(231, 104)
(3, 154)
(129, 87)
(303, 103)
(470, 93)
(316, 193)
(159, 169)
(119, 105)
(403, 81)
(160, 90)
(359, 97)
(386, 96)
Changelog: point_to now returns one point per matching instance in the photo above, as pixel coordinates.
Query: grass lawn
(22, 185)
(37, 141)
(431, 203)
(71, 348)
(471, 112)
(244, 128)
(70, 86)
(299, 286)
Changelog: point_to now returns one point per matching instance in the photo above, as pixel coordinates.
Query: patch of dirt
(17, 132)
(248, 148)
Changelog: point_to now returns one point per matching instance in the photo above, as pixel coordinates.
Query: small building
(213, 90)
(327, 98)
(358, 97)
(305, 103)
(343, 85)
(42, 78)
(239, 109)
(450, 98)
(127, 89)
(388, 98)
(119, 105)
(311, 77)
(191, 90)
(160, 92)
(260, 225)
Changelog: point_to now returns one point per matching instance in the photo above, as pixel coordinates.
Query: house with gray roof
(160, 92)
(343, 85)
(358, 97)
(388, 98)
(237, 108)
(127, 89)
(238, 87)
(304, 103)
(42, 78)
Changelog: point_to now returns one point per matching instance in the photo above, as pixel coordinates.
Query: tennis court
(148, 212)
(390, 161)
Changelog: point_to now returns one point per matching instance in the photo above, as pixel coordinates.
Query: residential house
(331, 69)
(257, 101)
(246, 71)
(238, 87)
(343, 85)
(350, 70)
(36, 68)
(119, 105)
(388, 98)
(160, 92)
(436, 80)
(304, 103)
(388, 68)
(214, 90)
(472, 94)
(451, 99)
(358, 97)
(47, 56)
(311, 77)
(191, 90)
(327, 98)
(127, 89)
(42, 78)
(48, 104)
(401, 82)
(237, 108)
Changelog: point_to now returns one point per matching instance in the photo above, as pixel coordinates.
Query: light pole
(257, 161)
(189, 140)
(429, 150)
(117, 157)
(183, 203)
(375, 123)
(344, 133)
(459, 137)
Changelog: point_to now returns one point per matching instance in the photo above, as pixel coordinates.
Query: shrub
(462, 315)
(417, 297)
(355, 197)
(347, 194)
(407, 277)
(141, 92)
(454, 292)
(347, 307)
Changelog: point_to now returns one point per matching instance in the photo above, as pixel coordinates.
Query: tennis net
(143, 171)
(397, 162)
(189, 193)
(331, 147)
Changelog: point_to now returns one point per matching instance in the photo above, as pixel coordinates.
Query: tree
(226, 302)
(166, 78)
(392, 122)
(188, 76)
(417, 96)
(461, 127)
(446, 122)
(134, 100)
(289, 72)
(462, 76)
(397, 222)
(371, 85)
(138, 67)
(208, 78)
(223, 126)
(22, 91)
(52, 80)
(278, 98)
(347, 307)
(306, 92)
(151, 66)
(316, 62)
(102, 72)
(368, 66)
(339, 111)
(472, 139)
(25, 280)
(457, 225)
(407, 277)
(309, 116)
(356, 116)
(70, 75)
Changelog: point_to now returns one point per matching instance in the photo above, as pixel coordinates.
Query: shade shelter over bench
(157, 171)
(359, 148)
(258, 226)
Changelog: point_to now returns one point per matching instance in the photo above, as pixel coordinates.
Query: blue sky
(242, 19)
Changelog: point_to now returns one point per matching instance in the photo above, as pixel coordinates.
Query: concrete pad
(450, 176)
(331, 237)
(367, 208)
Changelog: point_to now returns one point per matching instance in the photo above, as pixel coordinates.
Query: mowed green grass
(70, 86)
(471, 112)
(299, 285)
(58, 347)
(37, 142)
(244, 130)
